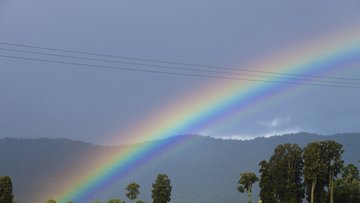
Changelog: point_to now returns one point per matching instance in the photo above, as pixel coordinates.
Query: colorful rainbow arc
(212, 104)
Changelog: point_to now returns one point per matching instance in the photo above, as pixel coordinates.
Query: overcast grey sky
(56, 100)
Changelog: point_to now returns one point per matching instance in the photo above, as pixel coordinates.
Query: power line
(172, 73)
(180, 68)
(178, 63)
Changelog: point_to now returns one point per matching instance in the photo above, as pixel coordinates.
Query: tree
(265, 184)
(245, 183)
(6, 190)
(161, 189)
(281, 177)
(314, 167)
(286, 167)
(115, 201)
(323, 163)
(347, 188)
(132, 191)
(140, 201)
(331, 152)
(51, 201)
(350, 173)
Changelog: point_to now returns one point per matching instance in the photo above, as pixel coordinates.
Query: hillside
(206, 171)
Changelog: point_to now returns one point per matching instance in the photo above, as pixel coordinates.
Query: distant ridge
(205, 172)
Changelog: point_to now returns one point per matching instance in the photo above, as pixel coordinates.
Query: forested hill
(206, 171)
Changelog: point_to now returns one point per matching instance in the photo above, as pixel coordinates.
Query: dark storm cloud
(44, 99)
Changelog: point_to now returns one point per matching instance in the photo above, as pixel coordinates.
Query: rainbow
(216, 103)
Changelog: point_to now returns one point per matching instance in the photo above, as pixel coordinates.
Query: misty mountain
(205, 171)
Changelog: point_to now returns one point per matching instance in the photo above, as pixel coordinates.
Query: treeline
(316, 172)
(161, 191)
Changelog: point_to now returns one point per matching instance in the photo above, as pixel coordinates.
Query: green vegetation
(161, 189)
(132, 191)
(6, 190)
(115, 201)
(347, 188)
(246, 182)
(281, 175)
(322, 164)
(161, 192)
(318, 165)
(316, 172)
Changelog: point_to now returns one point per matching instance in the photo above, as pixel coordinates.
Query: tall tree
(281, 177)
(265, 184)
(323, 163)
(6, 190)
(286, 167)
(332, 152)
(246, 182)
(132, 191)
(161, 189)
(314, 167)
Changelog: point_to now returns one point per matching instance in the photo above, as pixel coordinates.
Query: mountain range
(206, 171)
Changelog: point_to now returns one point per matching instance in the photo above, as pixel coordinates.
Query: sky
(98, 105)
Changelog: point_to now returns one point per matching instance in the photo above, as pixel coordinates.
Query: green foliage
(347, 188)
(70, 202)
(350, 173)
(287, 166)
(281, 177)
(140, 201)
(132, 191)
(314, 170)
(96, 201)
(246, 182)
(265, 184)
(334, 163)
(51, 201)
(323, 163)
(6, 190)
(161, 189)
(115, 201)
